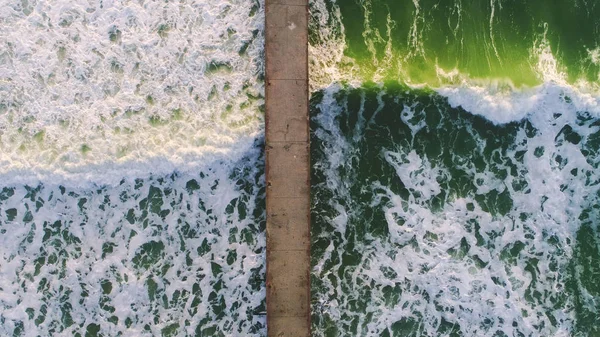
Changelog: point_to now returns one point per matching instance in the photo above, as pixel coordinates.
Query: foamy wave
(97, 86)
(500, 105)
(481, 221)
(170, 255)
(111, 172)
(500, 102)
(496, 99)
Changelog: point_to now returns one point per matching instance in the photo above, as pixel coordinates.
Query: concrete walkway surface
(287, 168)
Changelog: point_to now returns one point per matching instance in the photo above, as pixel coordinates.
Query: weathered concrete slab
(287, 2)
(288, 168)
(288, 125)
(287, 218)
(286, 299)
(288, 326)
(287, 41)
(288, 172)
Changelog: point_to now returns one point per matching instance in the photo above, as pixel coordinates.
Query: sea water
(455, 178)
(455, 154)
(131, 168)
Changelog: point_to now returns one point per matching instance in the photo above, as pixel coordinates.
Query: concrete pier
(287, 168)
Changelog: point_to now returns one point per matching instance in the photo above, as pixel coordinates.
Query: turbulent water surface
(131, 175)
(455, 181)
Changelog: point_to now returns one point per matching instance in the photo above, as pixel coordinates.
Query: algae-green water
(455, 151)
(440, 42)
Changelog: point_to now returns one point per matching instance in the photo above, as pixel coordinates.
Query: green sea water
(417, 41)
(455, 180)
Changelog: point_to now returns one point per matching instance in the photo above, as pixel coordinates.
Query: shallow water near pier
(132, 168)
(455, 168)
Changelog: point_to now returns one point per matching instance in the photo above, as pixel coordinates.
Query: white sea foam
(169, 255)
(503, 106)
(481, 288)
(132, 183)
(111, 87)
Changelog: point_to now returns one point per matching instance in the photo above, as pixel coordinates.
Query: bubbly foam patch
(326, 47)
(172, 255)
(434, 222)
(132, 195)
(503, 105)
(110, 86)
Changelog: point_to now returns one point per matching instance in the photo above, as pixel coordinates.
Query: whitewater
(131, 168)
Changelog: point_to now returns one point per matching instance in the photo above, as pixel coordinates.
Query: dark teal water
(430, 221)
